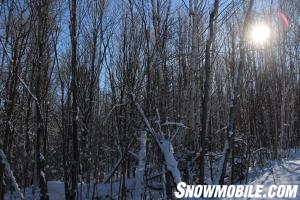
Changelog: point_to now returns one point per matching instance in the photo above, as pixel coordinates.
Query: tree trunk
(207, 83)
(233, 100)
(2, 189)
(140, 169)
(75, 153)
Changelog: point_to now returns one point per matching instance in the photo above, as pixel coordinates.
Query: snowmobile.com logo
(235, 191)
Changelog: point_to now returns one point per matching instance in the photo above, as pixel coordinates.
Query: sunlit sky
(260, 33)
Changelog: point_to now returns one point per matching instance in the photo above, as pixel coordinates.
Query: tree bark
(229, 142)
(75, 153)
(207, 86)
(2, 189)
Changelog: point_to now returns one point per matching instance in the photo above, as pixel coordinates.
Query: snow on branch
(33, 96)
(10, 174)
(174, 123)
(151, 130)
(165, 147)
(167, 150)
(28, 90)
(140, 170)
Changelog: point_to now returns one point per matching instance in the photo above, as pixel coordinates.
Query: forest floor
(283, 172)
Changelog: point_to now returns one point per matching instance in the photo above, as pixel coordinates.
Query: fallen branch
(165, 147)
(119, 162)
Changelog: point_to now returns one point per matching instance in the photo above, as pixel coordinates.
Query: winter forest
(124, 99)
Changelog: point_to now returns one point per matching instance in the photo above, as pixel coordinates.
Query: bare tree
(75, 154)
(207, 83)
(229, 142)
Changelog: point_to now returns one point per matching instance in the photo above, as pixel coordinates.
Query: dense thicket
(79, 78)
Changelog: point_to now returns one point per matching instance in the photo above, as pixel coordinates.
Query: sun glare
(260, 33)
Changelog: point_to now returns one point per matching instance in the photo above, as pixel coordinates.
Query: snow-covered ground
(56, 191)
(283, 172)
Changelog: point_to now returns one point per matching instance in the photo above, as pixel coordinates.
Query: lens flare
(260, 33)
(284, 19)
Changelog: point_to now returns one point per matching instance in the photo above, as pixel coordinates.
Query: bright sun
(260, 33)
